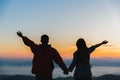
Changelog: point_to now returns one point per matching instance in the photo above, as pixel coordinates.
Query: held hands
(104, 42)
(66, 72)
(19, 34)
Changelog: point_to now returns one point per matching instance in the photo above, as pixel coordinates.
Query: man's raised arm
(26, 40)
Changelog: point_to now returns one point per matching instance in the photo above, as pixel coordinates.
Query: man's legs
(41, 77)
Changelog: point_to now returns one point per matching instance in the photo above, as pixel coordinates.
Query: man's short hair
(44, 38)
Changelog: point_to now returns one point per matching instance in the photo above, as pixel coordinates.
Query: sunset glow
(64, 21)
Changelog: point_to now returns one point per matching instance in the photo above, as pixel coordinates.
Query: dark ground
(26, 77)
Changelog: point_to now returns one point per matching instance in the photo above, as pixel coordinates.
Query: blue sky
(63, 20)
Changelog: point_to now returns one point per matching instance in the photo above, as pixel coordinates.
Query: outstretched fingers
(105, 42)
(19, 34)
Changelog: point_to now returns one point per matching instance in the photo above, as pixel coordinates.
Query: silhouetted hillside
(27, 77)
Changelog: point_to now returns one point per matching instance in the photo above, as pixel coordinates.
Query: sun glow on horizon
(66, 53)
(93, 20)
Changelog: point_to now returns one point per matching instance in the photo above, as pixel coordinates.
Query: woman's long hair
(81, 45)
(82, 49)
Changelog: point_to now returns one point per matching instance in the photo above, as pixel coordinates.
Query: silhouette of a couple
(44, 55)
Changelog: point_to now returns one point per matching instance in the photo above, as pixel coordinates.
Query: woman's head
(81, 44)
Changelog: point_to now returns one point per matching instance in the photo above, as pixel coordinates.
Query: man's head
(44, 39)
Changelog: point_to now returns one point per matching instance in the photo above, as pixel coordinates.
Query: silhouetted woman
(81, 60)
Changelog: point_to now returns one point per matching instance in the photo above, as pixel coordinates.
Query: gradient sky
(64, 21)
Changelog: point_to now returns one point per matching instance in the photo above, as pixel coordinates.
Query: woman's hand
(104, 42)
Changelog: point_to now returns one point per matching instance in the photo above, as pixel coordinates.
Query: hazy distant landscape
(28, 62)
(20, 69)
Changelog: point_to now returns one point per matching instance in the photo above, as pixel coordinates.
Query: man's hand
(19, 34)
(104, 42)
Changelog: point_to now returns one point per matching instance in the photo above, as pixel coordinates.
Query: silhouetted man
(44, 55)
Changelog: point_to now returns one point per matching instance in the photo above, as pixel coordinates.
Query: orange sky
(63, 23)
(19, 50)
